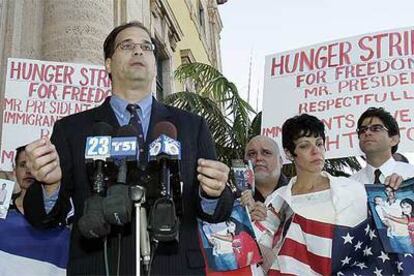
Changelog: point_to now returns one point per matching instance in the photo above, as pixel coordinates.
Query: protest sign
(38, 93)
(337, 81)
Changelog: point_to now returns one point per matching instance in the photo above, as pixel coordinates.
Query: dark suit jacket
(283, 181)
(86, 256)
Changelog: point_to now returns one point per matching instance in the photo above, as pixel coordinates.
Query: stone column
(139, 10)
(74, 30)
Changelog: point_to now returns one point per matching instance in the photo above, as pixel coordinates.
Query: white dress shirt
(366, 175)
(348, 198)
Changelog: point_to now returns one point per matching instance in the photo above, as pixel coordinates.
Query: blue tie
(137, 124)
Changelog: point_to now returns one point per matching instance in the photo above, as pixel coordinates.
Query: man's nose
(137, 50)
(28, 171)
(259, 156)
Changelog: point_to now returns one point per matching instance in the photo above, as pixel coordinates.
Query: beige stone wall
(20, 27)
(56, 30)
(215, 27)
(75, 30)
(139, 10)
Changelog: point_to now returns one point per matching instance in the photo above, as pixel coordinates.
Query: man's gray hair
(264, 138)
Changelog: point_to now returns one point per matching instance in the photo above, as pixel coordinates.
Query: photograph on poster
(231, 244)
(393, 213)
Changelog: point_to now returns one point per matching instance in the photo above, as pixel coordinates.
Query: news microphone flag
(104, 147)
(98, 147)
(164, 146)
(124, 147)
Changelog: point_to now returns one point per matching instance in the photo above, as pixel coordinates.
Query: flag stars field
(384, 257)
(358, 245)
(346, 260)
(367, 251)
(347, 238)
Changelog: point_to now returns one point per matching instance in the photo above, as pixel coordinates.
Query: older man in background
(267, 162)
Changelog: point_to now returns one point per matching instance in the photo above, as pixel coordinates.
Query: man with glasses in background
(379, 136)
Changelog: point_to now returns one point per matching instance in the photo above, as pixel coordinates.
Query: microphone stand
(137, 195)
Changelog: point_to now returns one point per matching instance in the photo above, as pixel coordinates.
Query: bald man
(267, 162)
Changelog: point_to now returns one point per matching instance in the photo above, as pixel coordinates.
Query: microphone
(92, 223)
(97, 152)
(144, 239)
(165, 152)
(117, 206)
(137, 194)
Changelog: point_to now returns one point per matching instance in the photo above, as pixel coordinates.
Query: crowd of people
(54, 179)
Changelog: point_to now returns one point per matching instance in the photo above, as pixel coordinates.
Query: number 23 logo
(99, 145)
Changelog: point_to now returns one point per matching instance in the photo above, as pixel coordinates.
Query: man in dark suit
(59, 166)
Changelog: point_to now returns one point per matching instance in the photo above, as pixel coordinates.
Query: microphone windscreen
(166, 128)
(117, 206)
(92, 224)
(102, 129)
(126, 130)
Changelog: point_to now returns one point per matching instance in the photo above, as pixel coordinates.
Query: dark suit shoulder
(79, 117)
(183, 114)
(87, 118)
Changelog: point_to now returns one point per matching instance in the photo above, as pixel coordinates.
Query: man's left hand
(394, 181)
(213, 176)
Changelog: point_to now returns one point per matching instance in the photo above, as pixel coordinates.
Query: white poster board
(38, 93)
(337, 81)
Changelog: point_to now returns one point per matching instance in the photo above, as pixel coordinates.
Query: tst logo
(123, 146)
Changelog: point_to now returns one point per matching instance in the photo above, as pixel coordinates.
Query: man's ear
(108, 62)
(395, 140)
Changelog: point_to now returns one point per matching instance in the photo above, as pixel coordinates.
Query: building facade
(74, 30)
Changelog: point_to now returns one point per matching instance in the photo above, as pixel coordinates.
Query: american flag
(316, 248)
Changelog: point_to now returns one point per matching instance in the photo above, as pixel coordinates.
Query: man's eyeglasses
(372, 128)
(130, 46)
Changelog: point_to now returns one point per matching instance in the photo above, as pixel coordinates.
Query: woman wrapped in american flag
(318, 204)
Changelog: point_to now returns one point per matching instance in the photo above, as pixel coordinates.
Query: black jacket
(86, 256)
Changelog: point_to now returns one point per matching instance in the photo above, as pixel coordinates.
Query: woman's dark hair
(303, 125)
(408, 201)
